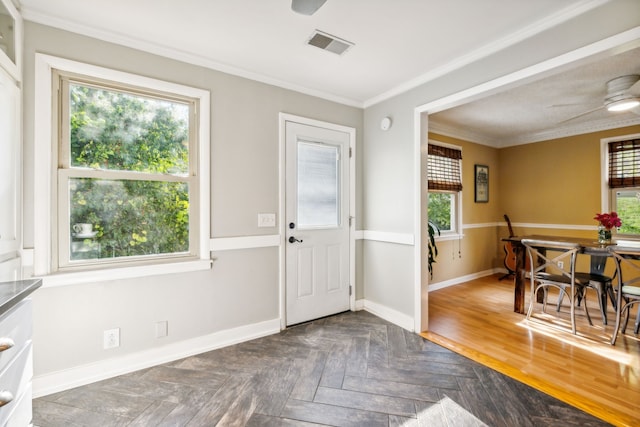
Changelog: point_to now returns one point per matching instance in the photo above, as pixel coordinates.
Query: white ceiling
(545, 108)
(399, 44)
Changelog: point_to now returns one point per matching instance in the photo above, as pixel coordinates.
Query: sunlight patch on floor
(584, 343)
(445, 409)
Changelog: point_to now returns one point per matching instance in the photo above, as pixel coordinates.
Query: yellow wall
(556, 181)
(551, 182)
(477, 251)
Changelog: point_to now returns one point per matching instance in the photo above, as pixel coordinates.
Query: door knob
(293, 240)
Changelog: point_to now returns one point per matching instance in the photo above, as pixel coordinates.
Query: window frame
(46, 133)
(456, 211)
(608, 195)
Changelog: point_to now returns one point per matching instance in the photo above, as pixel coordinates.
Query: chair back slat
(540, 278)
(540, 261)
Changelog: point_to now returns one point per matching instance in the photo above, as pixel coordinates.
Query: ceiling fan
(623, 94)
(306, 7)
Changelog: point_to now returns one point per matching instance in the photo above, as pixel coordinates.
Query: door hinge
(350, 290)
(350, 220)
(350, 152)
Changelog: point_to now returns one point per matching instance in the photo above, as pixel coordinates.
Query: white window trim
(604, 168)
(605, 191)
(457, 234)
(44, 206)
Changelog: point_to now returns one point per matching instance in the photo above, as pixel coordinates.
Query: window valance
(443, 168)
(624, 163)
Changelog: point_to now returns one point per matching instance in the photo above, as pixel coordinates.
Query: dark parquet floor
(352, 369)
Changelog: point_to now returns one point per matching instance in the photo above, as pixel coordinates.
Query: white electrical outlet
(111, 338)
(266, 220)
(561, 265)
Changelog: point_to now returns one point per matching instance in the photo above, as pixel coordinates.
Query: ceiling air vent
(328, 42)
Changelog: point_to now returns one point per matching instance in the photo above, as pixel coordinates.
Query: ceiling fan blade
(635, 89)
(565, 105)
(582, 114)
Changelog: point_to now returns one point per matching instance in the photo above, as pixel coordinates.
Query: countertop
(15, 291)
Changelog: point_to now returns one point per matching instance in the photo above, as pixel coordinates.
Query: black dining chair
(628, 286)
(596, 280)
(545, 273)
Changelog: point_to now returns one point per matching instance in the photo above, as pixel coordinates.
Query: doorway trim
(626, 40)
(283, 118)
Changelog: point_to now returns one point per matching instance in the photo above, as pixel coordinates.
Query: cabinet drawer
(22, 413)
(15, 378)
(15, 325)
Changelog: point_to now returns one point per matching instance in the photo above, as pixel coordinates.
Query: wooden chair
(564, 281)
(628, 286)
(598, 281)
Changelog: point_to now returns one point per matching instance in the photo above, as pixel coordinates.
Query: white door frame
(606, 47)
(283, 119)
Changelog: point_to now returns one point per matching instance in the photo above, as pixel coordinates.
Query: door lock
(293, 240)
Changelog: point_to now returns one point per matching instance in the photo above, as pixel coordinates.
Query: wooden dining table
(587, 246)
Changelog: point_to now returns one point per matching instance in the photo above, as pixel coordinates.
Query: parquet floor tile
(351, 369)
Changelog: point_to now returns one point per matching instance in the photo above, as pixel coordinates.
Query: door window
(318, 185)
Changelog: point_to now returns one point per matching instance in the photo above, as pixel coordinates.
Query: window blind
(624, 163)
(443, 168)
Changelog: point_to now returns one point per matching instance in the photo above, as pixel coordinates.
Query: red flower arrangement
(608, 220)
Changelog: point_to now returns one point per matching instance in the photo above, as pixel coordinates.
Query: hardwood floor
(476, 319)
(352, 369)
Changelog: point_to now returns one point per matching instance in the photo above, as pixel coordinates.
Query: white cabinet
(10, 131)
(10, 164)
(11, 41)
(16, 365)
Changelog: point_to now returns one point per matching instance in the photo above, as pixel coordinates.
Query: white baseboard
(63, 380)
(390, 315)
(462, 279)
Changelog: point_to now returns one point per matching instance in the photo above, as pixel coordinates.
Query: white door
(317, 222)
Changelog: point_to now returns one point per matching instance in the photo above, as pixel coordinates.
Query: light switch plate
(162, 329)
(266, 220)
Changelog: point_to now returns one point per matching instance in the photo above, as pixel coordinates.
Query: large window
(623, 180)
(444, 178)
(130, 184)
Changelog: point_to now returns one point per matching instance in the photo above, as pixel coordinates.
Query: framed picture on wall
(481, 183)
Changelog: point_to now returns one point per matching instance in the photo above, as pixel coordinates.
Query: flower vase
(604, 235)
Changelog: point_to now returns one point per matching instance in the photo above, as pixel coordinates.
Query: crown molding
(562, 132)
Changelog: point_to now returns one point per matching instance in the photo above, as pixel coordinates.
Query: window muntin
(444, 178)
(127, 169)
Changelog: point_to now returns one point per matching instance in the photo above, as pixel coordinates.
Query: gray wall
(243, 286)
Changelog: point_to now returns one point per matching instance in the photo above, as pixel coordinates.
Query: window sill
(93, 276)
(452, 236)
